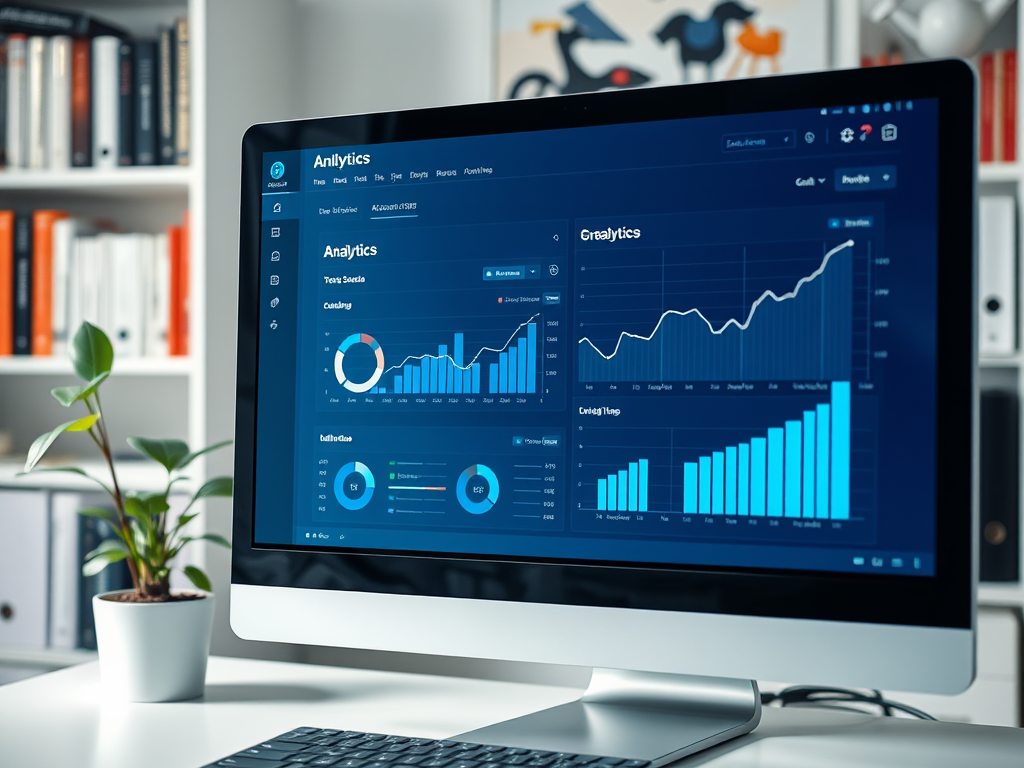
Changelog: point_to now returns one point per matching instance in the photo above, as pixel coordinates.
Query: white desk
(61, 719)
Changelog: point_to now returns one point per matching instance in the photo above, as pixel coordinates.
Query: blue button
(551, 441)
(552, 297)
(517, 441)
(866, 178)
(504, 273)
(833, 223)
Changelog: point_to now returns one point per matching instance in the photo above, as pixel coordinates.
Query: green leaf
(218, 486)
(190, 457)
(43, 442)
(198, 578)
(107, 546)
(68, 395)
(215, 538)
(103, 514)
(166, 452)
(155, 501)
(76, 471)
(98, 563)
(184, 520)
(91, 352)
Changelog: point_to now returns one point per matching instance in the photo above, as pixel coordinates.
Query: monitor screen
(664, 342)
(684, 342)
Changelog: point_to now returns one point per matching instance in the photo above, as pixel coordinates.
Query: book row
(57, 271)
(997, 107)
(104, 101)
(43, 543)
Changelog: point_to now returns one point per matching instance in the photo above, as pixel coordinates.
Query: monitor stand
(636, 715)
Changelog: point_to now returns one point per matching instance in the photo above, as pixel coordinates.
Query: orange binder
(42, 280)
(185, 277)
(6, 283)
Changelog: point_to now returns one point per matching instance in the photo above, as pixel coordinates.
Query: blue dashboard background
(618, 176)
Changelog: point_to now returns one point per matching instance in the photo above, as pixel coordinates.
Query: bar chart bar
(840, 450)
(809, 457)
(643, 482)
(758, 485)
(705, 485)
(623, 490)
(442, 369)
(794, 457)
(457, 357)
(521, 370)
(717, 483)
(476, 377)
(690, 488)
(743, 481)
(434, 370)
(613, 493)
(425, 375)
(503, 372)
(398, 384)
(633, 500)
(821, 466)
(416, 383)
(531, 358)
(730, 481)
(602, 495)
(492, 378)
(775, 471)
(513, 362)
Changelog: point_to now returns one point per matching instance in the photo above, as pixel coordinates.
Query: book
(24, 576)
(6, 283)
(57, 91)
(35, 116)
(126, 293)
(42, 280)
(144, 128)
(34, 20)
(126, 106)
(64, 232)
(17, 49)
(105, 101)
(157, 279)
(175, 300)
(184, 282)
(81, 103)
(22, 283)
(181, 117)
(166, 106)
(3, 101)
(1009, 107)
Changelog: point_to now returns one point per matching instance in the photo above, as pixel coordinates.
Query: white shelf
(1009, 595)
(999, 171)
(129, 180)
(1000, 361)
(53, 658)
(142, 366)
(140, 475)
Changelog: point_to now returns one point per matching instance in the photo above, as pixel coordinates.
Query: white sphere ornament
(951, 28)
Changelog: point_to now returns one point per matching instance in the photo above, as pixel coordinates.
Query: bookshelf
(156, 397)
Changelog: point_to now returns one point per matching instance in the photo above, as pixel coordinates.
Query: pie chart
(477, 489)
(339, 362)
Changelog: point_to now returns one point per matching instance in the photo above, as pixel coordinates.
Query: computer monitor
(671, 381)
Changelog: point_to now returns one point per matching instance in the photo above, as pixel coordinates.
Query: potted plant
(153, 643)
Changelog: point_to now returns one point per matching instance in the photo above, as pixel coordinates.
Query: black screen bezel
(945, 600)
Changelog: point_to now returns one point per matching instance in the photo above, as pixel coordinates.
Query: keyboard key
(395, 740)
(464, 764)
(279, 746)
(249, 762)
(516, 759)
(612, 761)
(408, 759)
(537, 754)
(303, 759)
(475, 754)
(395, 747)
(266, 754)
(436, 762)
(541, 762)
(636, 764)
(518, 751)
(586, 759)
(424, 749)
(326, 760)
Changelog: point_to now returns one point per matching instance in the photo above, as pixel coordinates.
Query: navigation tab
(505, 273)
(868, 177)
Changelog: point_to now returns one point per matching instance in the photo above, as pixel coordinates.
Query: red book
(986, 75)
(1008, 99)
(184, 280)
(42, 280)
(6, 283)
(174, 345)
(81, 103)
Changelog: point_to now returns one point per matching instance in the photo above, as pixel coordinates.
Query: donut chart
(339, 359)
(354, 492)
(477, 489)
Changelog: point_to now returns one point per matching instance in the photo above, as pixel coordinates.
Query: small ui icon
(274, 302)
(273, 325)
(275, 231)
(277, 207)
(275, 280)
(275, 256)
(888, 132)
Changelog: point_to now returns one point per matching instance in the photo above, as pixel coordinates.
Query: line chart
(804, 333)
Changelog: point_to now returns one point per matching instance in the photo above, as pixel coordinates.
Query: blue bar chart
(799, 468)
(449, 371)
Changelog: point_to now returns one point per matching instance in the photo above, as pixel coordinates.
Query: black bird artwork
(702, 41)
(586, 26)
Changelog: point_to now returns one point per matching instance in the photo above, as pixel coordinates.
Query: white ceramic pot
(153, 651)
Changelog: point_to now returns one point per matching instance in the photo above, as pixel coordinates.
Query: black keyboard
(355, 749)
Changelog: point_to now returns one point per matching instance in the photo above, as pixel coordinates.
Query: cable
(833, 698)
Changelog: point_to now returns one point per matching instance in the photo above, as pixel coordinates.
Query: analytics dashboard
(685, 343)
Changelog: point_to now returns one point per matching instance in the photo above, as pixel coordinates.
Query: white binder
(997, 285)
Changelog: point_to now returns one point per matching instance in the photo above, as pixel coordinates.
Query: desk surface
(62, 719)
